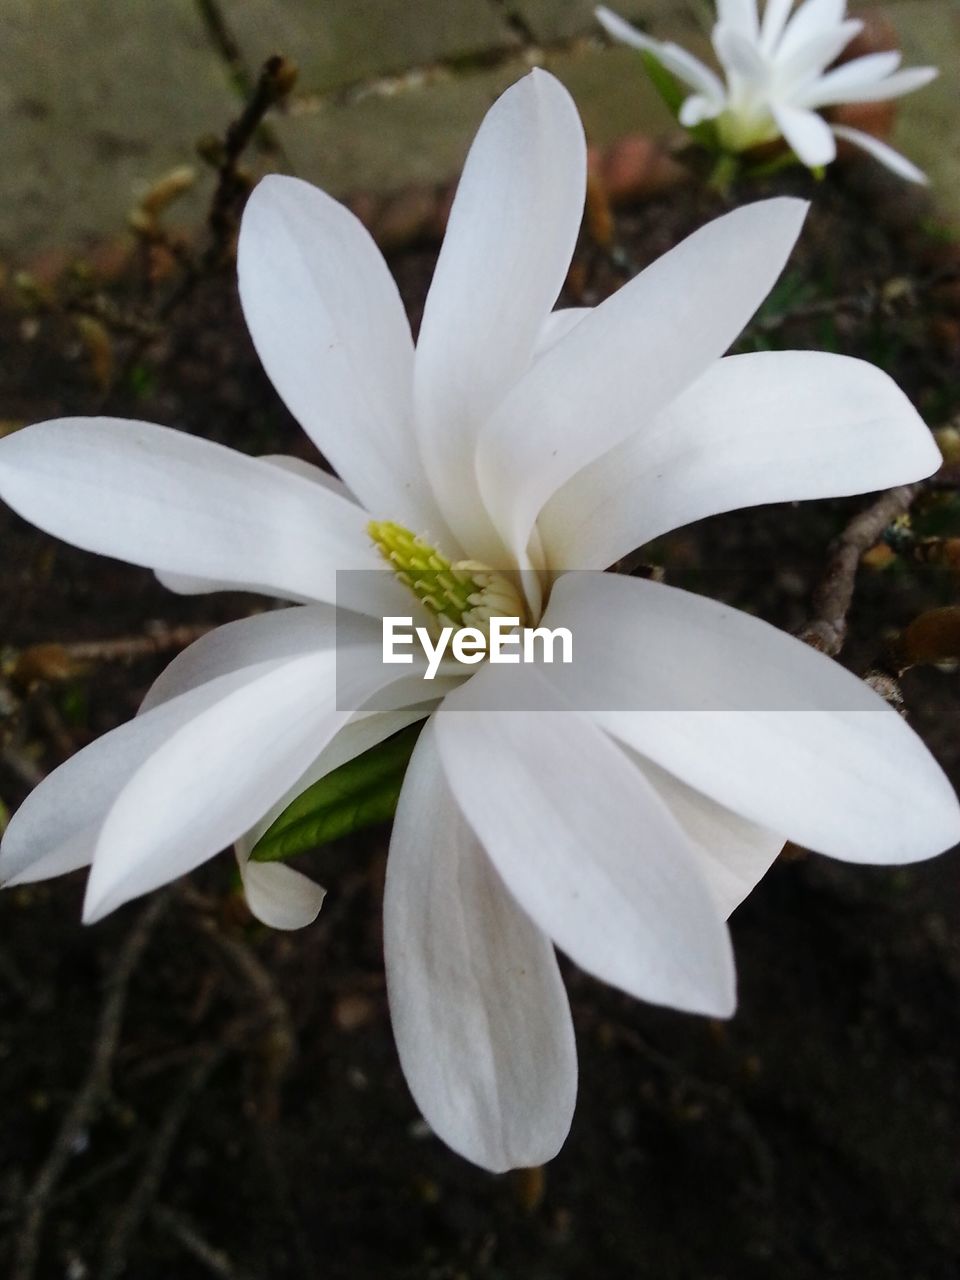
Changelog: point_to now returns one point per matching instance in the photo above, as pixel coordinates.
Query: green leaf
(665, 82)
(361, 793)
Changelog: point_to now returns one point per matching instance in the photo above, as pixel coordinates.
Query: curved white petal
(773, 426)
(309, 471)
(624, 362)
(584, 843)
(739, 55)
(331, 331)
(833, 88)
(696, 109)
(886, 155)
(478, 1006)
(182, 505)
(806, 133)
(213, 779)
(54, 831)
(810, 20)
(758, 721)
(741, 15)
(556, 326)
(733, 854)
(672, 56)
(809, 60)
(279, 896)
(509, 241)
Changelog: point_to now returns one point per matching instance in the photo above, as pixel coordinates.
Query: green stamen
(464, 593)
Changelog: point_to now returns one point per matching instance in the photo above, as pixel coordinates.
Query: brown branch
(91, 1093)
(827, 630)
(216, 1261)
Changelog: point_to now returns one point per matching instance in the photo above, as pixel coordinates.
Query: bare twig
(89, 1096)
(143, 1195)
(216, 1261)
(827, 630)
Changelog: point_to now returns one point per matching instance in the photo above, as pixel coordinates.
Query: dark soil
(256, 1123)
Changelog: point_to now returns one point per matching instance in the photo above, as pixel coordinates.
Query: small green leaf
(665, 82)
(361, 793)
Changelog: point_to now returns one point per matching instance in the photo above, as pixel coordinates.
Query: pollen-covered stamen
(461, 593)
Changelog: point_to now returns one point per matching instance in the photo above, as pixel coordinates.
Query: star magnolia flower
(777, 78)
(525, 440)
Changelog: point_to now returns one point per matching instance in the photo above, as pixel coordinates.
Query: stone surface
(341, 42)
(98, 100)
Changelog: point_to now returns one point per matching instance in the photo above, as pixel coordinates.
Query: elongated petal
(733, 854)
(775, 15)
(696, 109)
(810, 20)
(213, 779)
(759, 722)
(881, 151)
(585, 844)
(623, 363)
(331, 331)
(807, 62)
(175, 503)
(509, 241)
(807, 135)
(54, 831)
(834, 88)
(479, 1011)
(738, 54)
(741, 15)
(774, 426)
(672, 56)
(556, 326)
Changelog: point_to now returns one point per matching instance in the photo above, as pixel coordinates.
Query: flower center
(461, 593)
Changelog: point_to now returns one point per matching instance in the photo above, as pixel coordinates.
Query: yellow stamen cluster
(462, 593)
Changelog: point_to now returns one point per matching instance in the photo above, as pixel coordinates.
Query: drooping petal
(623, 363)
(584, 843)
(279, 896)
(673, 57)
(733, 854)
(478, 1006)
(758, 721)
(182, 505)
(773, 426)
(54, 831)
(881, 151)
(509, 241)
(863, 87)
(330, 329)
(806, 133)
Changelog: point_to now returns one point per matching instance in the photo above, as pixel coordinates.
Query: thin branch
(827, 630)
(88, 1098)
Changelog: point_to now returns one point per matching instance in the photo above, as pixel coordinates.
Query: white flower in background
(524, 440)
(778, 76)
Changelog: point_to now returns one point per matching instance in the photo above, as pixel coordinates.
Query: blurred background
(186, 1094)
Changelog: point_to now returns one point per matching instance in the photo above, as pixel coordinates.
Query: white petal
(217, 775)
(885, 154)
(696, 110)
(626, 360)
(807, 135)
(182, 505)
(281, 633)
(758, 721)
(55, 829)
(672, 56)
(556, 326)
(509, 241)
(774, 426)
(810, 20)
(733, 854)
(739, 55)
(808, 61)
(775, 14)
(479, 1011)
(741, 15)
(331, 331)
(834, 87)
(585, 844)
(279, 896)
(309, 470)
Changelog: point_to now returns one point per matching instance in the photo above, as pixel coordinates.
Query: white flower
(777, 78)
(521, 439)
